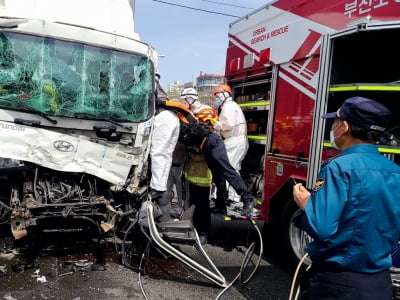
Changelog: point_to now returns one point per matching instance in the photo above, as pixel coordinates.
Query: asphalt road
(69, 275)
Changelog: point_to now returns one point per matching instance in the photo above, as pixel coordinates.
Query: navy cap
(362, 112)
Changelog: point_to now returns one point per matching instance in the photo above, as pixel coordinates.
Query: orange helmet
(207, 114)
(223, 87)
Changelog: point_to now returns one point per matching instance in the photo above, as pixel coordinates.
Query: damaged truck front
(76, 108)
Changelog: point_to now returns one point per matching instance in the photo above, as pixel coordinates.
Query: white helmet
(190, 93)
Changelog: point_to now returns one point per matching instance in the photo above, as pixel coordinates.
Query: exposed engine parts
(60, 201)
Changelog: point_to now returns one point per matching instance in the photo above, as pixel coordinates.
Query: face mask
(332, 140)
(218, 101)
(332, 137)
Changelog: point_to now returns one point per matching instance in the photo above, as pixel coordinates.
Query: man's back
(359, 230)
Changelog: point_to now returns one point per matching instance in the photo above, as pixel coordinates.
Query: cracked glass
(71, 79)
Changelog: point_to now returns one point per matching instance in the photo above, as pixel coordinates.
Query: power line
(188, 7)
(221, 3)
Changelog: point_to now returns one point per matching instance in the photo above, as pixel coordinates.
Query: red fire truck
(288, 63)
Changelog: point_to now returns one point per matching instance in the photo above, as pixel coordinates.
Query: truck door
(362, 61)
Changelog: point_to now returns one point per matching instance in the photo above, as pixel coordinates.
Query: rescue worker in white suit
(232, 127)
(164, 138)
(198, 137)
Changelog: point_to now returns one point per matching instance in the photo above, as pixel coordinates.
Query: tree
(174, 94)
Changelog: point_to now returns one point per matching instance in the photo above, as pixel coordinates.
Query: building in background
(189, 85)
(205, 84)
(174, 91)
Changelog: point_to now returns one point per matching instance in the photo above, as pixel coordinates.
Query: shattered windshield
(71, 79)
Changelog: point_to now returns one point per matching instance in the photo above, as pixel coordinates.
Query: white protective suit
(164, 138)
(232, 126)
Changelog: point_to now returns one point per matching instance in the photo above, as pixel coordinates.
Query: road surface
(69, 276)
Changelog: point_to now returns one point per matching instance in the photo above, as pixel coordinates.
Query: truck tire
(293, 240)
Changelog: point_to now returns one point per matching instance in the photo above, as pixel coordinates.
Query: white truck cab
(76, 111)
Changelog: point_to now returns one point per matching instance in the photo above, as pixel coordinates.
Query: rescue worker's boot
(220, 205)
(23, 264)
(248, 205)
(221, 210)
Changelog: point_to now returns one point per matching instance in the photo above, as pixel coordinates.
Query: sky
(191, 40)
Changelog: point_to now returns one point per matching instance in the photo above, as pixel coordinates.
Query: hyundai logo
(63, 146)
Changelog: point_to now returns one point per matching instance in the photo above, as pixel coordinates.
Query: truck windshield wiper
(101, 118)
(118, 124)
(37, 112)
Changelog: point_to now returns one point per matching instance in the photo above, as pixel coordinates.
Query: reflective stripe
(357, 87)
(199, 180)
(254, 103)
(382, 149)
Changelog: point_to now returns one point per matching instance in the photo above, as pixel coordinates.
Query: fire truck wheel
(294, 241)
